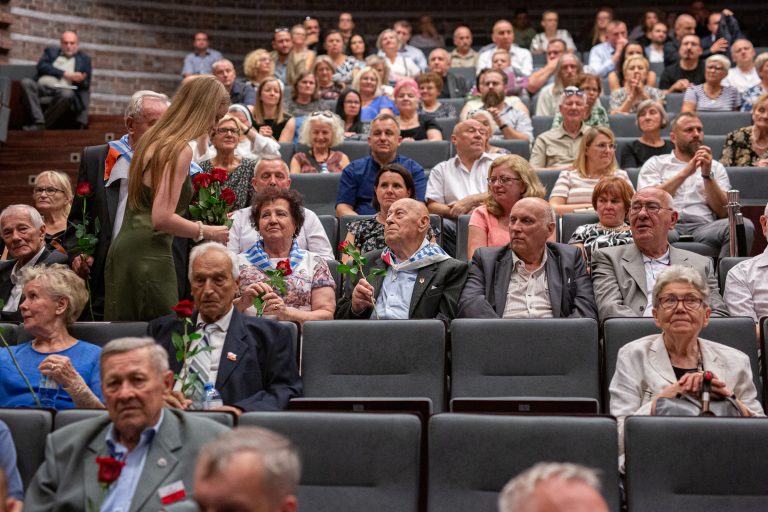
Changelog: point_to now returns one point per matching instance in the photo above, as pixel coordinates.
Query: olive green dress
(140, 276)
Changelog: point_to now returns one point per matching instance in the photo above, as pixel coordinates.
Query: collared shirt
(522, 60)
(195, 64)
(451, 181)
(280, 67)
(556, 147)
(394, 300)
(121, 492)
(217, 333)
(413, 53)
(464, 61)
(540, 41)
(600, 59)
(119, 173)
(15, 296)
(517, 120)
(242, 93)
(741, 80)
(653, 267)
(746, 288)
(689, 199)
(528, 291)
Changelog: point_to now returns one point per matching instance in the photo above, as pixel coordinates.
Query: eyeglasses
(504, 180)
(49, 191)
(323, 113)
(604, 146)
(690, 302)
(224, 131)
(651, 208)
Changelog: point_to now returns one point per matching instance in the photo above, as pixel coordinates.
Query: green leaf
(353, 270)
(179, 355)
(377, 272)
(204, 195)
(177, 340)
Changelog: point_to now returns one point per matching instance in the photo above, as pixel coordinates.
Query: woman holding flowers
(288, 283)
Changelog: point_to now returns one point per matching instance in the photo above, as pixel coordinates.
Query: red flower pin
(219, 174)
(228, 196)
(285, 266)
(83, 188)
(109, 469)
(184, 308)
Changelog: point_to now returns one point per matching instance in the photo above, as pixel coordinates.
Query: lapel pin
(421, 280)
(231, 356)
(162, 462)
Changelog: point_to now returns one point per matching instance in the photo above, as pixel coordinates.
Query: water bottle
(211, 397)
(47, 392)
(323, 168)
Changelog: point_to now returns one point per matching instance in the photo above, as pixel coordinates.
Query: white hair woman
(712, 96)
(321, 131)
(53, 196)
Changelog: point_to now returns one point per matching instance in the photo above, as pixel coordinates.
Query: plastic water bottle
(47, 392)
(211, 397)
(323, 168)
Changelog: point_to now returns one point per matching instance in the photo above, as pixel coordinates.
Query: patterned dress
(595, 236)
(598, 117)
(238, 180)
(619, 96)
(738, 152)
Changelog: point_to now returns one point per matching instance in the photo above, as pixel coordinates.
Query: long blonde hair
(580, 165)
(192, 113)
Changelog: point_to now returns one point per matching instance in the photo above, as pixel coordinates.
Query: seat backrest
(548, 178)
(286, 152)
(319, 191)
(467, 74)
(658, 68)
(351, 461)
(633, 175)
(29, 427)
(516, 147)
(434, 220)
(571, 221)
(723, 123)
(69, 416)
(751, 183)
(541, 124)
(354, 149)
(671, 463)
(98, 333)
(715, 143)
(525, 358)
(10, 332)
(472, 457)
(725, 266)
(428, 153)
(331, 227)
(462, 237)
(458, 104)
(446, 125)
(388, 358)
(674, 102)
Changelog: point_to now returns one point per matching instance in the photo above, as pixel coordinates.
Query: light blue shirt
(195, 64)
(600, 59)
(394, 300)
(121, 492)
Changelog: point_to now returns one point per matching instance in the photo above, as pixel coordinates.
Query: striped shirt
(576, 189)
(528, 292)
(728, 101)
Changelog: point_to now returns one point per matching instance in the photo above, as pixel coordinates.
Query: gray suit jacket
(68, 477)
(618, 275)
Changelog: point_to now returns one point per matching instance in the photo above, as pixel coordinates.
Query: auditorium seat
(571, 221)
(458, 104)
(715, 143)
(446, 125)
(351, 462)
(354, 149)
(467, 74)
(723, 123)
(428, 153)
(434, 220)
(541, 124)
(625, 125)
(548, 178)
(29, 428)
(462, 237)
(516, 147)
(98, 333)
(725, 265)
(69, 416)
(319, 191)
(674, 103)
(751, 182)
(331, 227)
(10, 332)
(286, 152)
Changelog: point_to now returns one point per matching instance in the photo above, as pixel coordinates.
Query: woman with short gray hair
(651, 119)
(712, 96)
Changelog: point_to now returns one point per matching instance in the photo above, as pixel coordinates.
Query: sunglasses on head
(323, 113)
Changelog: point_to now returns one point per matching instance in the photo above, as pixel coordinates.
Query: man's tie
(201, 363)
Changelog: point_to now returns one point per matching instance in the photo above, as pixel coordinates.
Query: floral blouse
(619, 96)
(594, 236)
(598, 117)
(369, 234)
(444, 110)
(738, 152)
(238, 180)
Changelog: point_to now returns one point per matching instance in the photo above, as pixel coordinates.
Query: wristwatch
(501, 127)
(706, 176)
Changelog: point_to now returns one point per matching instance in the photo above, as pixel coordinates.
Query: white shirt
(653, 267)
(15, 296)
(216, 337)
(653, 54)
(451, 181)
(746, 288)
(522, 60)
(548, 103)
(119, 172)
(312, 237)
(740, 80)
(528, 291)
(689, 199)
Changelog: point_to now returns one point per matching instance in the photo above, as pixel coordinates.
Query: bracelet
(199, 237)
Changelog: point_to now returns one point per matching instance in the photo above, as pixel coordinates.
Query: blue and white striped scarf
(427, 254)
(258, 257)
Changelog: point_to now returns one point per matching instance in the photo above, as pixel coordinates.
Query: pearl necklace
(613, 229)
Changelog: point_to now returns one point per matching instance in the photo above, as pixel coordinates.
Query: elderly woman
(225, 139)
(594, 113)
(610, 198)
(596, 159)
(430, 85)
(54, 297)
(304, 96)
(748, 146)
(636, 89)
(616, 77)
(651, 119)
(269, 117)
(345, 66)
(53, 199)
(711, 96)
(414, 126)
(673, 362)
(400, 66)
(257, 66)
(321, 131)
(751, 95)
(349, 108)
(309, 287)
(510, 178)
(323, 71)
(368, 84)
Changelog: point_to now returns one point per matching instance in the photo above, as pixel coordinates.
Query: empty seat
(674, 102)
(751, 183)
(472, 457)
(725, 266)
(428, 153)
(29, 428)
(351, 462)
(462, 237)
(331, 227)
(723, 123)
(571, 221)
(319, 191)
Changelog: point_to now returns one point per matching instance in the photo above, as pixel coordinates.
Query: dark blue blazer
(82, 64)
(263, 375)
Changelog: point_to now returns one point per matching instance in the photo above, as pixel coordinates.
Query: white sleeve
(265, 146)
(524, 61)
(316, 239)
(483, 61)
(721, 176)
(650, 174)
(737, 295)
(435, 185)
(236, 231)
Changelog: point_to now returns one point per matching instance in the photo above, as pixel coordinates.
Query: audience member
(722, 30)
(596, 159)
(239, 91)
(11, 488)
(52, 194)
(654, 51)
(510, 178)
(321, 131)
(430, 85)
(300, 58)
(546, 74)
(421, 280)
(346, 26)
(618, 77)
(344, 66)
(453, 86)
(258, 66)
(381, 66)
(251, 144)
(743, 75)
(524, 32)
(644, 26)
(598, 33)
(558, 147)
(751, 95)
(269, 116)
(635, 89)
(282, 44)
(502, 61)
(651, 119)
(401, 63)
(349, 109)
(540, 42)
(566, 73)
(323, 70)
(511, 120)
(594, 113)
(63, 78)
(503, 36)
(135, 380)
(312, 26)
(486, 119)
(530, 277)
(712, 96)
(272, 172)
(23, 233)
(357, 179)
(262, 375)
(413, 126)
(200, 61)
(428, 37)
(746, 290)
(304, 99)
(374, 102)
(404, 31)
(688, 70)
(248, 469)
(604, 57)
(624, 277)
(685, 25)
(463, 55)
(358, 48)
(748, 146)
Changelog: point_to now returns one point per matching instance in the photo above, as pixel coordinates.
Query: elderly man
(454, 86)
(239, 91)
(252, 363)
(746, 289)
(420, 281)
(685, 25)
(553, 487)
(530, 277)
(687, 70)
(697, 183)
(743, 75)
(503, 36)
(105, 167)
(463, 55)
(156, 444)
(63, 79)
(604, 57)
(282, 44)
(405, 30)
(23, 233)
(200, 61)
(558, 147)
(546, 75)
(357, 179)
(566, 72)
(248, 469)
(273, 172)
(624, 276)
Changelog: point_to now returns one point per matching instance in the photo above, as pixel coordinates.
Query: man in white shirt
(746, 287)
(743, 75)
(503, 36)
(697, 183)
(604, 57)
(404, 30)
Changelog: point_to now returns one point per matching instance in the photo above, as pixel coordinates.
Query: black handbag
(686, 405)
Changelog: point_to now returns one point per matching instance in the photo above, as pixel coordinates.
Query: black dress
(277, 128)
(637, 153)
(426, 122)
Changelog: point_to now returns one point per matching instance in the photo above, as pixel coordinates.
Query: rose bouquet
(212, 201)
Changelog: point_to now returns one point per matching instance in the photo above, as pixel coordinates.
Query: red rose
(83, 188)
(218, 174)
(343, 245)
(184, 308)
(285, 266)
(109, 469)
(201, 179)
(228, 196)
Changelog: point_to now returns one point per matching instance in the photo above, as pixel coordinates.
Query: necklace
(613, 229)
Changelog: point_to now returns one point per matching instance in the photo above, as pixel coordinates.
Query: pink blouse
(497, 235)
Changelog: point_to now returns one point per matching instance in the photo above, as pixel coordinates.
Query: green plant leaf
(377, 272)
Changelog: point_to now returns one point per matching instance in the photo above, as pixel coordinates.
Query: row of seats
(460, 462)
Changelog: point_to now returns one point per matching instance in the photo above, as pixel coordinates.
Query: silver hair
(221, 62)
(136, 103)
(334, 122)
(201, 249)
(282, 466)
(680, 274)
(158, 356)
(520, 489)
(646, 104)
(722, 59)
(59, 281)
(34, 216)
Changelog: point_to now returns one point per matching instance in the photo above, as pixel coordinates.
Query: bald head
(69, 43)
(684, 24)
(439, 61)
(531, 223)
(407, 225)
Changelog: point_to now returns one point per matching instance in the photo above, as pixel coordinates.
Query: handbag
(686, 405)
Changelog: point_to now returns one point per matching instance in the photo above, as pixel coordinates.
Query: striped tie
(201, 363)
